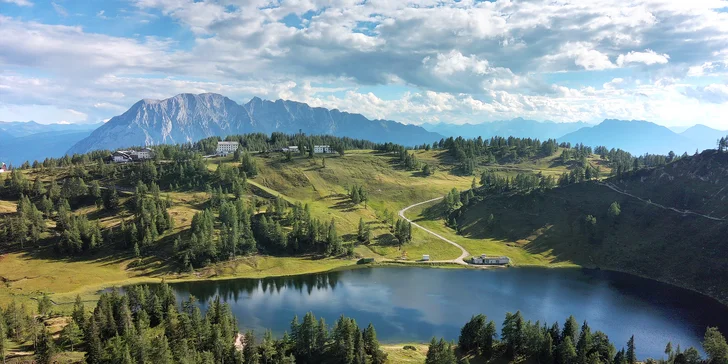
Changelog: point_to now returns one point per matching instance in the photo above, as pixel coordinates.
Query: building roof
(227, 143)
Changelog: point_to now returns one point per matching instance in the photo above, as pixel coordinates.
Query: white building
(125, 156)
(121, 156)
(484, 259)
(426, 258)
(292, 149)
(142, 154)
(322, 149)
(225, 148)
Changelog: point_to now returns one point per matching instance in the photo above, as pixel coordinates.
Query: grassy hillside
(647, 238)
(26, 273)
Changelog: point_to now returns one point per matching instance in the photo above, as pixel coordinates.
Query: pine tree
(160, 351)
(44, 305)
(363, 233)
(567, 351)
(631, 353)
(546, 353)
(571, 329)
(71, 335)
(45, 348)
(440, 352)
(715, 346)
(584, 344)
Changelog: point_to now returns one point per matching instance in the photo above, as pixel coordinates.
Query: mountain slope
(652, 236)
(704, 137)
(39, 146)
(517, 127)
(635, 136)
(187, 118)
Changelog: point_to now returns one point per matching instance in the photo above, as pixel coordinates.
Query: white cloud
(614, 83)
(713, 93)
(19, 2)
(648, 57)
(461, 60)
(60, 10)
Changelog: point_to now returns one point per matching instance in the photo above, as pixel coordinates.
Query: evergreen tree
(45, 349)
(363, 233)
(471, 335)
(546, 353)
(487, 346)
(44, 305)
(71, 335)
(567, 351)
(715, 346)
(426, 170)
(161, 353)
(584, 345)
(440, 352)
(631, 353)
(571, 329)
(614, 210)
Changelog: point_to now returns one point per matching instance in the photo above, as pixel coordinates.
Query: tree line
(147, 325)
(522, 340)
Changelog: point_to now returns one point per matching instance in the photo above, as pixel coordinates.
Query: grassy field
(305, 180)
(26, 275)
(430, 216)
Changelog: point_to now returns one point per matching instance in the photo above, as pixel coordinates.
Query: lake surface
(414, 304)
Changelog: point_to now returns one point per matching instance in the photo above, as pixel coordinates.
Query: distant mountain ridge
(704, 137)
(518, 127)
(29, 141)
(17, 129)
(188, 117)
(639, 137)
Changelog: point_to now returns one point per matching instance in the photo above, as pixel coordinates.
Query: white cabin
(483, 259)
(426, 258)
(125, 156)
(322, 149)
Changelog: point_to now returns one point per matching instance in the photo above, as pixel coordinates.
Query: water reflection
(414, 304)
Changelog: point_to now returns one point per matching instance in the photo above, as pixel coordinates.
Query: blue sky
(419, 61)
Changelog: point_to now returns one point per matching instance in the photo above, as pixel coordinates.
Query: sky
(414, 61)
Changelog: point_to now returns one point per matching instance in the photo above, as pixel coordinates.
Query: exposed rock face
(188, 118)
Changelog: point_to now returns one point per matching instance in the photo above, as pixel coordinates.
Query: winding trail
(683, 212)
(458, 260)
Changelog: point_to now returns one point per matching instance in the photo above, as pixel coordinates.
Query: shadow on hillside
(346, 205)
(386, 240)
(153, 263)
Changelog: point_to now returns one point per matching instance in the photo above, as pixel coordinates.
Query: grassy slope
(324, 189)
(28, 274)
(645, 240)
(430, 216)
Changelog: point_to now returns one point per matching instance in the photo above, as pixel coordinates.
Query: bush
(409, 347)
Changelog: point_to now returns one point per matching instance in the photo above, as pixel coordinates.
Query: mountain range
(635, 136)
(518, 127)
(29, 141)
(639, 137)
(188, 118)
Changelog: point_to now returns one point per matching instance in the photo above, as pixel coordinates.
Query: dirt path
(458, 260)
(683, 212)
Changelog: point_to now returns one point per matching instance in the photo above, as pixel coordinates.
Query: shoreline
(381, 264)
